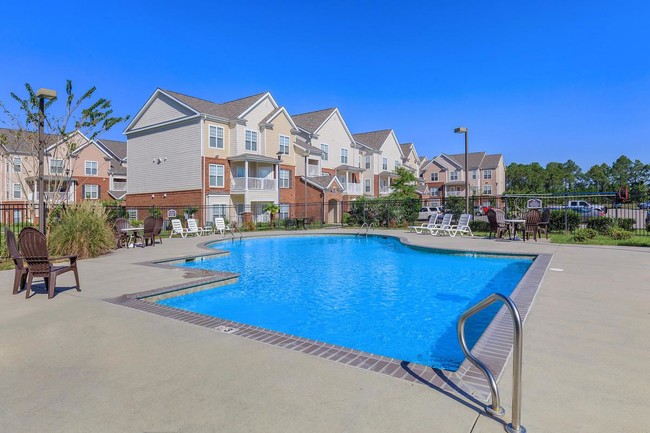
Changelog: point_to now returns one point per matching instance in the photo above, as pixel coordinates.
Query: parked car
(426, 212)
(586, 212)
(645, 205)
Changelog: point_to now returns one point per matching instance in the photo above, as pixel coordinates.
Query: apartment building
(383, 155)
(445, 176)
(238, 154)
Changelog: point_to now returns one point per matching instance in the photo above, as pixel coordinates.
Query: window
(473, 174)
(216, 137)
(17, 191)
(18, 217)
(91, 168)
(367, 185)
(434, 177)
(384, 164)
(18, 164)
(216, 175)
(284, 211)
(434, 191)
(487, 174)
(284, 144)
(487, 189)
(285, 179)
(91, 192)
(474, 189)
(397, 164)
(325, 149)
(133, 214)
(251, 140)
(218, 211)
(56, 166)
(367, 163)
(344, 156)
(453, 175)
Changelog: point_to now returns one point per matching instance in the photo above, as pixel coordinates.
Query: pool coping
(493, 347)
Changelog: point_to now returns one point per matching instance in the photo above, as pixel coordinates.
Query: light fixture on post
(463, 130)
(277, 174)
(306, 156)
(42, 95)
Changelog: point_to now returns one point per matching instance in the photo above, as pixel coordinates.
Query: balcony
(385, 190)
(53, 197)
(254, 184)
(119, 186)
(353, 188)
(313, 171)
(455, 194)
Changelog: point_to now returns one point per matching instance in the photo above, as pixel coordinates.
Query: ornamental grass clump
(81, 229)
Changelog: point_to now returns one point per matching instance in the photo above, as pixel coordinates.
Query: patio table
(133, 235)
(514, 224)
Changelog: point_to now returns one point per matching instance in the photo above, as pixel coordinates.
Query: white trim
(216, 137)
(167, 123)
(256, 103)
(86, 168)
(148, 104)
(288, 144)
(283, 110)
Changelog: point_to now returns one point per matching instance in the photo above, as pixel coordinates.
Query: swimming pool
(371, 294)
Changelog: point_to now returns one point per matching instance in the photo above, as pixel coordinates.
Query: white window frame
(217, 136)
(344, 156)
(397, 164)
(384, 164)
(18, 217)
(284, 143)
(251, 140)
(487, 189)
(326, 152)
(474, 174)
(216, 179)
(89, 165)
(19, 190)
(453, 175)
(52, 171)
(91, 192)
(132, 213)
(367, 186)
(434, 177)
(18, 164)
(487, 174)
(368, 162)
(284, 176)
(284, 211)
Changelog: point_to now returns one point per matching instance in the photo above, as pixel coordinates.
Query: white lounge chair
(445, 223)
(220, 226)
(462, 227)
(177, 229)
(429, 224)
(193, 228)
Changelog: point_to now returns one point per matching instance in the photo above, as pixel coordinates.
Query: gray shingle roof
(117, 147)
(406, 148)
(492, 161)
(474, 159)
(23, 142)
(322, 181)
(229, 110)
(373, 139)
(313, 120)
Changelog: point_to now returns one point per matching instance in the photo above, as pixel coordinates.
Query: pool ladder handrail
(367, 226)
(495, 408)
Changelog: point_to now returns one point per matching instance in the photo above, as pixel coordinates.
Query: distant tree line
(558, 177)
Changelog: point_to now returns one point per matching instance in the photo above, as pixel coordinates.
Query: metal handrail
(367, 226)
(495, 408)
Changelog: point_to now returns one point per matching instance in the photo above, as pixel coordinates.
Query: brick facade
(206, 175)
(104, 184)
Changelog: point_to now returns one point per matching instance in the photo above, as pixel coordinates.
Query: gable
(160, 109)
(337, 122)
(258, 112)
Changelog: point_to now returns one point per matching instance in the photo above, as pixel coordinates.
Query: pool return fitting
(495, 408)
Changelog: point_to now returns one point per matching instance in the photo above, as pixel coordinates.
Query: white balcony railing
(53, 197)
(119, 186)
(353, 188)
(254, 184)
(455, 193)
(313, 170)
(385, 190)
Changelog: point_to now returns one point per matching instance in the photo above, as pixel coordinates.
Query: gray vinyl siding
(180, 144)
(162, 109)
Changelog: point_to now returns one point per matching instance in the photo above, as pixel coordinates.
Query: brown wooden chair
(149, 232)
(122, 238)
(542, 226)
(20, 270)
(33, 248)
(158, 229)
(498, 226)
(532, 218)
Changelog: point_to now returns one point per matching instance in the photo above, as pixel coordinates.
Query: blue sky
(536, 81)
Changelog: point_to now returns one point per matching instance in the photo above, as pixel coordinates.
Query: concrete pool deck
(77, 363)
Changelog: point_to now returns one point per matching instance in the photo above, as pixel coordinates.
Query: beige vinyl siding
(180, 144)
(212, 152)
(253, 119)
(333, 134)
(162, 109)
(281, 126)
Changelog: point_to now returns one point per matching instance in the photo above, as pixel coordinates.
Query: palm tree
(272, 209)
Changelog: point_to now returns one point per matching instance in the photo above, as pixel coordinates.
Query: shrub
(136, 223)
(583, 235)
(556, 224)
(346, 218)
(626, 223)
(619, 234)
(601, 224)
(249, 226)
(82, 229)
(479, 226)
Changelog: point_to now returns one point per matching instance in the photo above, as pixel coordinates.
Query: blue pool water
(372, 294)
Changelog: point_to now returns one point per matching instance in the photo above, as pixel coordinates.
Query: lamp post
(42, 95)
(306, 156)
(463, 130)
(277, 178)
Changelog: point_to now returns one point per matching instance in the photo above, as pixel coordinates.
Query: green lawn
(634, 241)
